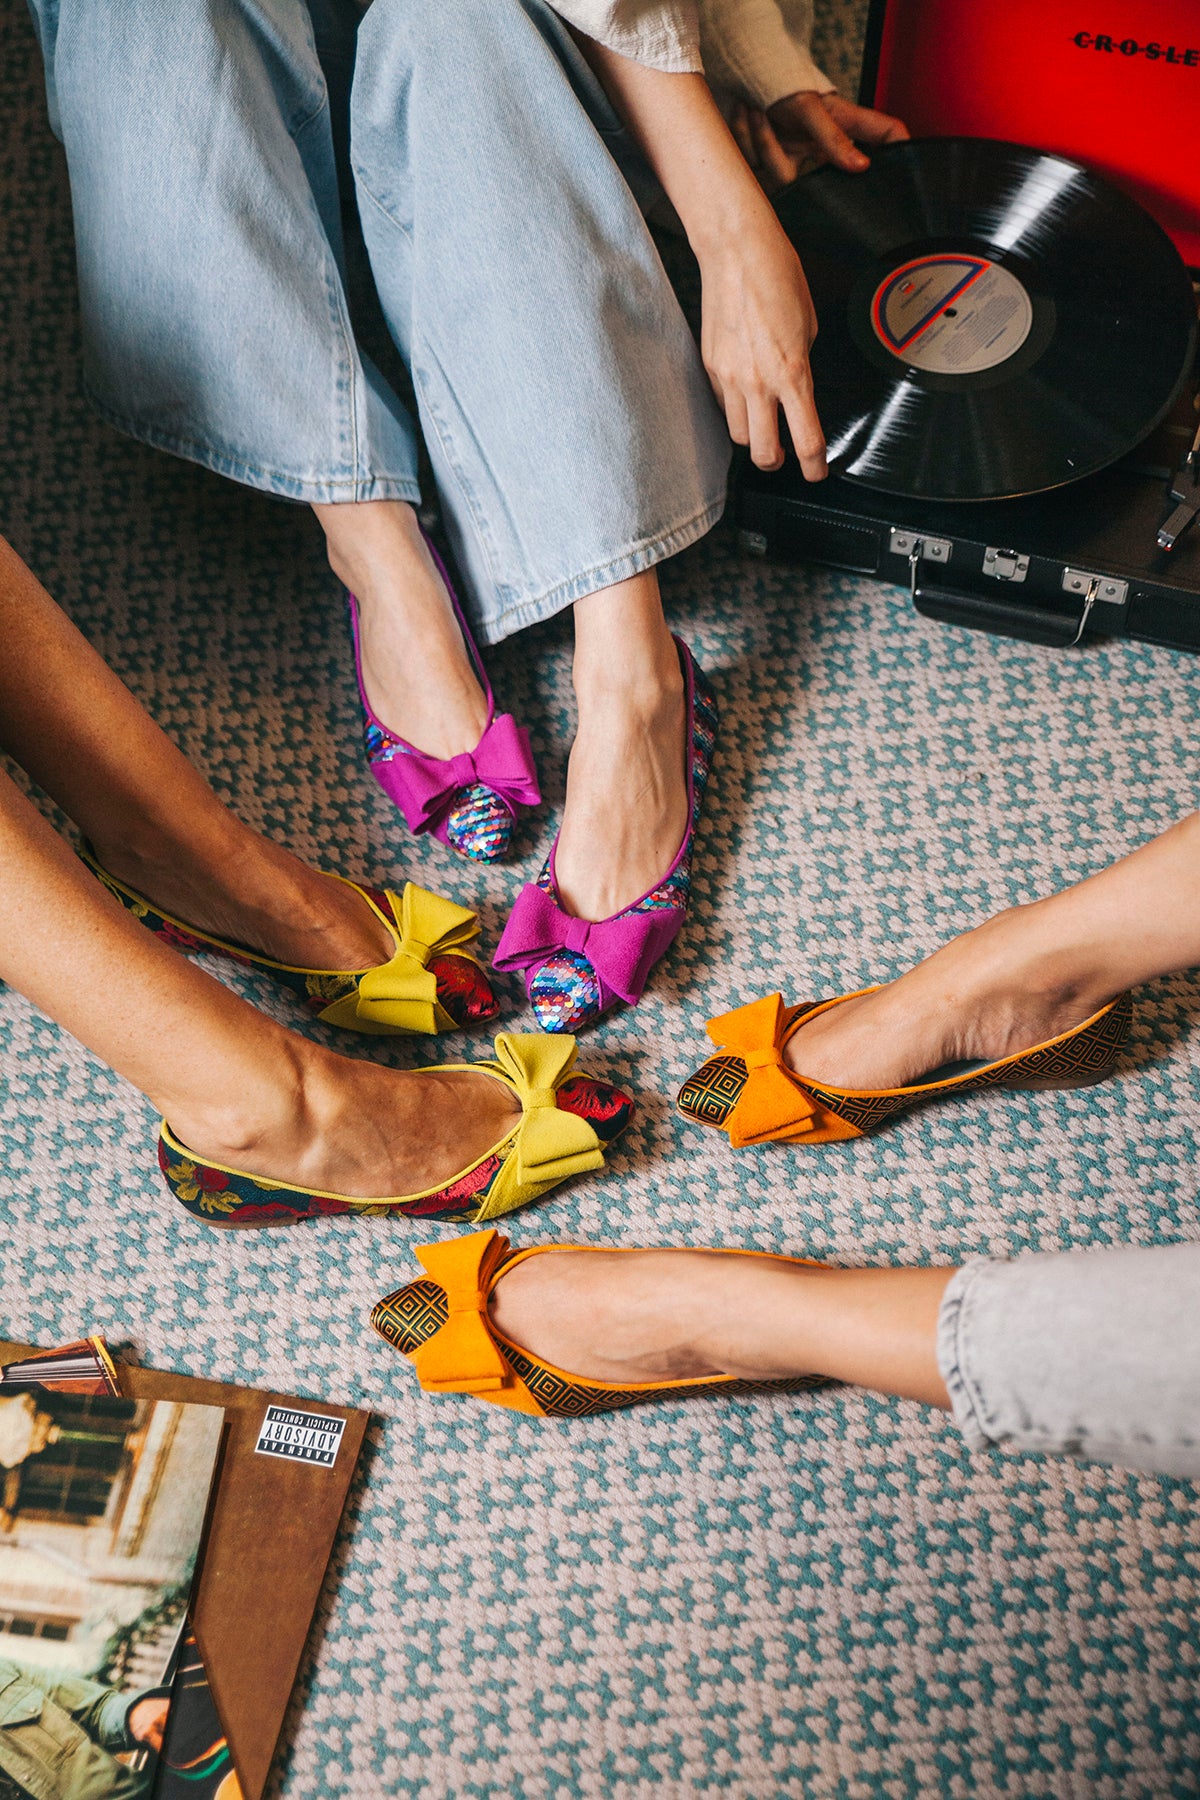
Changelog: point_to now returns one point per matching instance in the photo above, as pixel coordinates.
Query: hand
(147, 1721)
(775, 167)
(831, 127)
(757, 324)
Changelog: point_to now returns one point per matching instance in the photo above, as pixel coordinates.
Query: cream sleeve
(663, 34)
(758, 49)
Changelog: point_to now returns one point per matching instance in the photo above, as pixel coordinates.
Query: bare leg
(626, 809)
(236, 1087)
(79, 732)
(416, 668)
(1022, 977)
(652, 1314)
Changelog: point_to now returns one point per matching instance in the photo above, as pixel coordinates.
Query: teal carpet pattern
(821, 1596)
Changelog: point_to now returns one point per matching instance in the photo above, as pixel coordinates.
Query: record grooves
(994, 321)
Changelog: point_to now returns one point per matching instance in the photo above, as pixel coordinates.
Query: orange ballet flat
(440, 1321)
(748, 1091)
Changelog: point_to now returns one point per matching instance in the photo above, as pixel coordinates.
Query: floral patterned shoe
(565, 1125)
(575, 969)
(749, 1092)
(441, 1322)
(468, 802)
(431, 982)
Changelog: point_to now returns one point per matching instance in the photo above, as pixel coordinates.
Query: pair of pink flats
(574, 969)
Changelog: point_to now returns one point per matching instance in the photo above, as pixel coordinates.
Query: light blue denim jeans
(572, 431)
(1094, 1354)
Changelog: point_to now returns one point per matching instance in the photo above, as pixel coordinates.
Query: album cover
(103, 1508)
(83, 1367)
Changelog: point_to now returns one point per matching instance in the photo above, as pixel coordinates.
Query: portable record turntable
(1006, 364)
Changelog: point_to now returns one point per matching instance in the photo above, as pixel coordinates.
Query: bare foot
(250, 891)
(647, 1315)
(626, 809)
(356, 1128)
(417, 671)
(1007, 986)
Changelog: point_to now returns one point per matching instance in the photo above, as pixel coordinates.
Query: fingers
(739, 124)
(777, 168)
(808, 440)
(864, 124)
(808, 113)
(766, 451)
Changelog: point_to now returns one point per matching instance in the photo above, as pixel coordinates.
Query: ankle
(648, 691)
(255, 1122)
(368, 542)
(1032, 952)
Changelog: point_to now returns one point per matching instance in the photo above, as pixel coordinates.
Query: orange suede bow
(462, 1357)
(772, 1104)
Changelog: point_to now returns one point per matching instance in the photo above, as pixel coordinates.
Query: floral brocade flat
(431, 983)
(441, 1322)
(565, 1124)
(748, 1091)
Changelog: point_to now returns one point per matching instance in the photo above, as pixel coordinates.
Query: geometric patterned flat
(748, 1091)
(441, 1322)
(431, 982)
(565, 1124)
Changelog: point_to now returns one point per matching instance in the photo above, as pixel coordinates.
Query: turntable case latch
(1005, 565)
(912, 545)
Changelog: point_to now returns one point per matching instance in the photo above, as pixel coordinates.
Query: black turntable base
(1024, 568)
(1005, 373)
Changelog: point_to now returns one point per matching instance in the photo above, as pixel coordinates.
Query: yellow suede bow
(401, 995)
(462, 1357)
(551, 1145)
(771, 1104)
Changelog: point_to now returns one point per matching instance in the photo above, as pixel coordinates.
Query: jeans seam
(223, 464)
(645, 554)
(362, 185)
(428, 410)
(967, 1403)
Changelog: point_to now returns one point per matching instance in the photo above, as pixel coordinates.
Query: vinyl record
(993, 321)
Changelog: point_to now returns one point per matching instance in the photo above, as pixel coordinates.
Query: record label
(952, 315)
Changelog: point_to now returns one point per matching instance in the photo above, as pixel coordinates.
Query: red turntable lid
(1115, 85)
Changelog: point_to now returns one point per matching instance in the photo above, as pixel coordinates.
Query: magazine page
(102, 1510)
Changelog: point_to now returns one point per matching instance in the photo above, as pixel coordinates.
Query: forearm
(687, 143)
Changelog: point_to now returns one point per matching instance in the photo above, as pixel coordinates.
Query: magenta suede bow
(423, 787)
(622, 950)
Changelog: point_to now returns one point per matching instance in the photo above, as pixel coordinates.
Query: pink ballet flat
(575, 969)
(468, 802)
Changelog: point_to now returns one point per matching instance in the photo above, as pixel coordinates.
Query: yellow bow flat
(430, 983)
(565, 1125)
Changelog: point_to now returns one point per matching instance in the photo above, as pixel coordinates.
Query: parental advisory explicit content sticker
(300, 1436)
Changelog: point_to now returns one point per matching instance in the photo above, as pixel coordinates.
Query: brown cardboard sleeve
(268, 1542)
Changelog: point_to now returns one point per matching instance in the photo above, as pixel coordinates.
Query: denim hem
(966, 1403)
(269, 481)
(632, 561)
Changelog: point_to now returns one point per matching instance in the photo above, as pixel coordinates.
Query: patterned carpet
(818, 1596)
